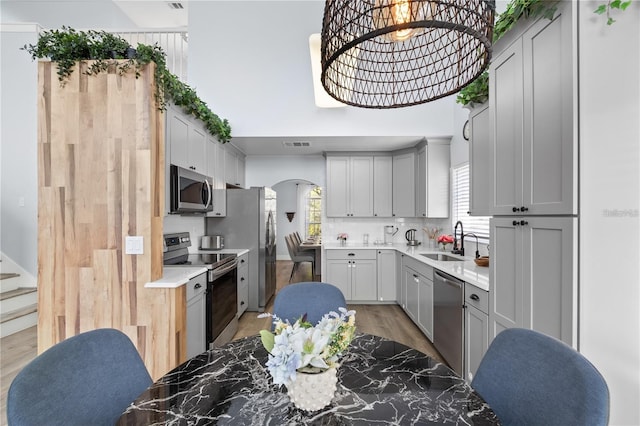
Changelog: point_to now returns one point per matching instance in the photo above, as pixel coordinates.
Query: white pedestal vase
(313, 391)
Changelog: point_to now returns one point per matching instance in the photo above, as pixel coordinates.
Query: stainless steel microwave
(190, 191)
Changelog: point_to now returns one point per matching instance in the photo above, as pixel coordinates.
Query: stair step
(7, 275)
(8, 316)
(17, 292)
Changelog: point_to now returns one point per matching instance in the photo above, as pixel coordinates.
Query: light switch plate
(134, 245)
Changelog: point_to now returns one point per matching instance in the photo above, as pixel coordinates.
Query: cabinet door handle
(524, 222)
(515, 223)
(474, 297)
(197, 286)
(351, 254)
(242, 261)
(242, 303)
(241, 278)
(515, 209)
(524, 209)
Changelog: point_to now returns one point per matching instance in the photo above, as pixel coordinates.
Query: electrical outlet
(134, 245)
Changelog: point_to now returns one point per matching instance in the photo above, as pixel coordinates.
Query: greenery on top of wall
(67, 46)
(477, 92)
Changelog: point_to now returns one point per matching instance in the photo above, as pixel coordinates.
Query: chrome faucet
(457, 250)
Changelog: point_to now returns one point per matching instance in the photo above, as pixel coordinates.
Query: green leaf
(610, 21)
(625, 4)
(602, 9)
(268, 339)
(615, 4)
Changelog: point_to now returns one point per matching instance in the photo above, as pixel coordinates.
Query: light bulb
(387, 13)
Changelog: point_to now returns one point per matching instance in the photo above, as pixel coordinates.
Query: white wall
(250, 62)
(18, 148)
(287, 201)
(609, 203)
(269, 170)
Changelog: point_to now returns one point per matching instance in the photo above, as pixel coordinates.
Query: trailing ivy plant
(67, 46)
(611, 4)
(477, 92)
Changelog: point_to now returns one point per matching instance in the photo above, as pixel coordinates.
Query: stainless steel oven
(222, 291)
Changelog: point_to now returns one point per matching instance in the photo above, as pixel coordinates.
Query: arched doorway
(304, 200)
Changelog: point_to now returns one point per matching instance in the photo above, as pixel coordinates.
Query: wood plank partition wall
(100, 179)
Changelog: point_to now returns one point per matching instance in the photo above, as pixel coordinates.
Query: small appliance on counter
(410, 236)
(212, 242)
(389, 232)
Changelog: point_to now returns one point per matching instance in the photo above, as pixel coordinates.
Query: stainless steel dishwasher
(448, 319)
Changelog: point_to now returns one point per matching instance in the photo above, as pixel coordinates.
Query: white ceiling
(159, 15)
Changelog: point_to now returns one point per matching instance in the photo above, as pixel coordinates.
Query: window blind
(478, 225)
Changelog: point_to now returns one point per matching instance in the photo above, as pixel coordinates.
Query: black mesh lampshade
(395, 53)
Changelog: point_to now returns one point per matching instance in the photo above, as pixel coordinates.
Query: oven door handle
(217, 273)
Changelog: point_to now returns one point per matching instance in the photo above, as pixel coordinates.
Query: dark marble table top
(380, 382)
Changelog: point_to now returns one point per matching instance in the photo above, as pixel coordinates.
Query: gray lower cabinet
(243, 283)
(532, 276)
(417, 280)
(476, 326)
(425, 310)
(386, 266)
(196, 315)
(354, 272)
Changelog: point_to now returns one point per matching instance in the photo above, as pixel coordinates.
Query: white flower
(298, 345)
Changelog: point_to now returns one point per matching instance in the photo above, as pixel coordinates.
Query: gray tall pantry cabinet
(533, 180)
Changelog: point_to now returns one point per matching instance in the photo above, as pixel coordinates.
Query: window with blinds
(478, 225)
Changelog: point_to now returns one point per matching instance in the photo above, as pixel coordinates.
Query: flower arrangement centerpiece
(300, 348)
(342, 237)
(444, 240)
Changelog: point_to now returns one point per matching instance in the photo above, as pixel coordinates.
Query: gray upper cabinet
(382, 186)
(215, 169)
(480, 178)
(349, 186)
(533, 151)
(234, 166)
(432, 183)
(186, 141)
(404, 184)
(532, 276)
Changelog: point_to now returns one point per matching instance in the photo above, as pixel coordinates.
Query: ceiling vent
(176, 5)
(296, 144)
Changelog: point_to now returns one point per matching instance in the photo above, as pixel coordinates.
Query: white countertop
(175, 276)
(465, 270)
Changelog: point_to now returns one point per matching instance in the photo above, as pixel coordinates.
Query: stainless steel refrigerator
(250, 224)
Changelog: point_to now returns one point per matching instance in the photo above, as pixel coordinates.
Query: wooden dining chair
(529, 378)
(312, 298)
(297, 240)
(87, 379)
(298, 257)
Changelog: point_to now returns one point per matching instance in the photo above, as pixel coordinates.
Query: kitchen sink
(441, 257)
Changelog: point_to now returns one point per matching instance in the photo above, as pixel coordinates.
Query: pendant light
(396, 53)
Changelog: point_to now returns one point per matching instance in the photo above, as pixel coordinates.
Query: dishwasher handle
(448, 279)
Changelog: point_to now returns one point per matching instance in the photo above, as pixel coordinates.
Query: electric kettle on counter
(410, 236)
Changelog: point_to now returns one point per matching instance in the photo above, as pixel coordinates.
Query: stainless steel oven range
(222, 291)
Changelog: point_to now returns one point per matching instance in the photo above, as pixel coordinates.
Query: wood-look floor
(388, 321)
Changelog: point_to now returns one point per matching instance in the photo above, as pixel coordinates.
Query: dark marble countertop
(379, 382)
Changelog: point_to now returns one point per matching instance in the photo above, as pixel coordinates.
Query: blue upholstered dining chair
(313, 298)
(529, 378)
(87, 379)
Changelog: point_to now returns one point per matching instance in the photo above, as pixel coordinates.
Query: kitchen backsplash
(356, 228)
